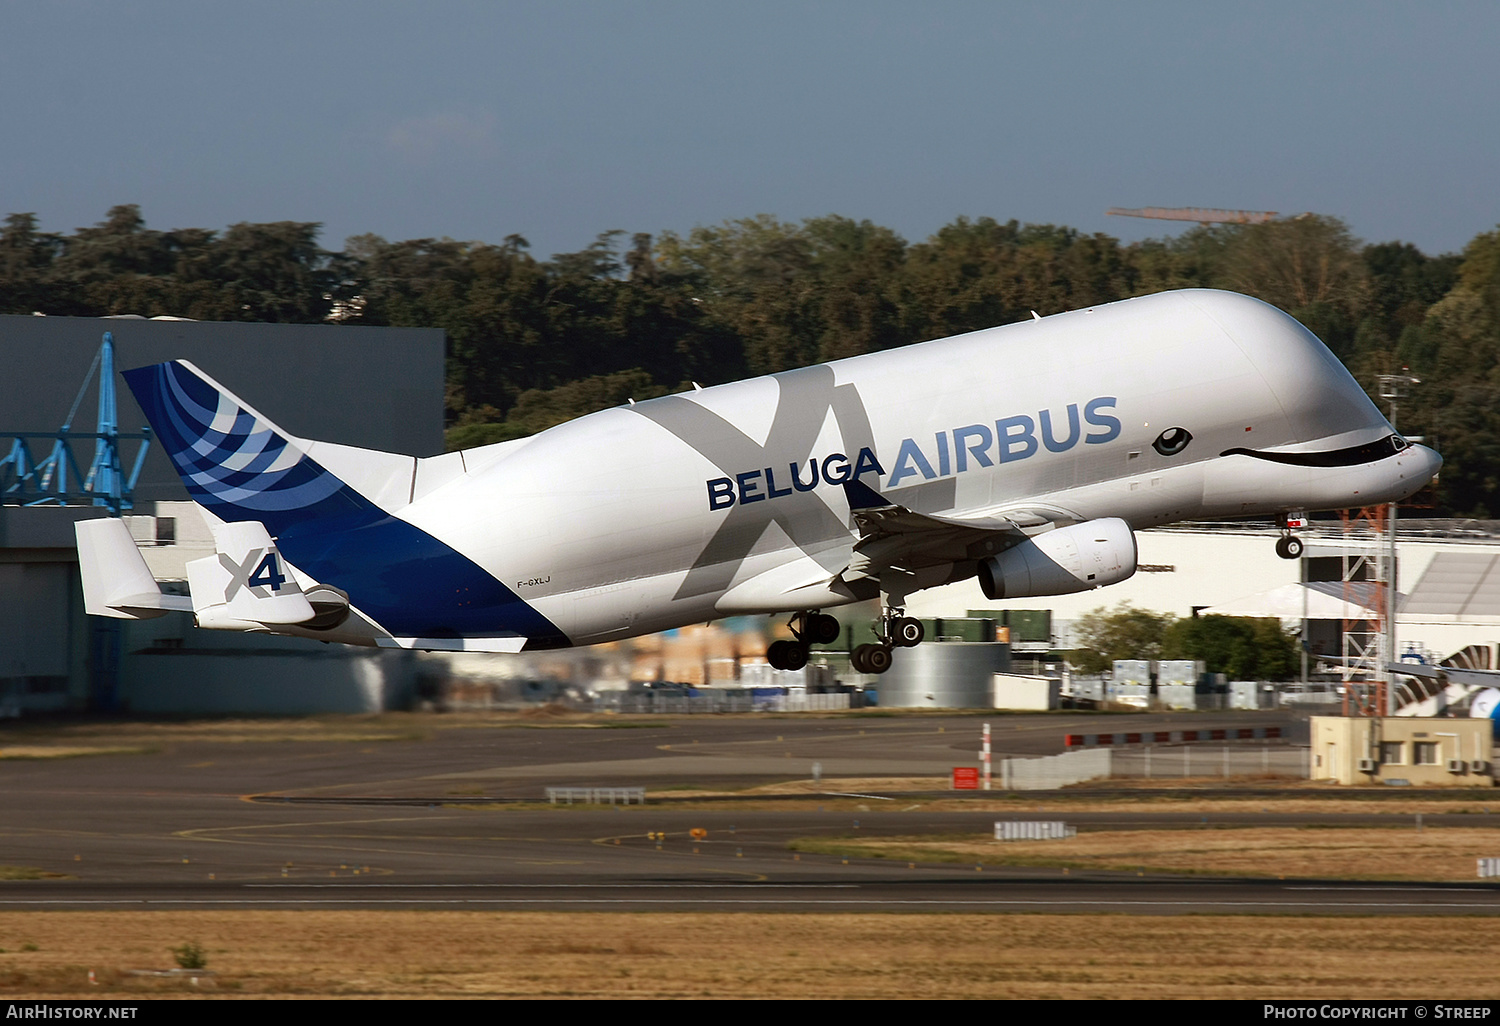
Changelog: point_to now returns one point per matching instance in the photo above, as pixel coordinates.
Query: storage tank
(944, 675)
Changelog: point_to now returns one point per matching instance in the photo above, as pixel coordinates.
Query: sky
(562, 119)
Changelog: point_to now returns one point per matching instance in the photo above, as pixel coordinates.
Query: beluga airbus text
(1025, 456)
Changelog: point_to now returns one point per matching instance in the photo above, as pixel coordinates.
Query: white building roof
(1319, 600)
(1457, 584)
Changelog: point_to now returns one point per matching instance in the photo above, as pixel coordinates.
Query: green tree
(755, 280)
(1404, 282)
(856, 265)
(26, 257)
(1455, 350)
(1241, 647)
(1309, 266)
(1124, 632)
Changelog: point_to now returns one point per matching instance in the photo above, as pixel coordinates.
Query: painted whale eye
(1172, 441)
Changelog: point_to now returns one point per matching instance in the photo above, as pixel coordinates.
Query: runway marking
(1476, 888)
(830, 902)
(841, 794)
(566, 886)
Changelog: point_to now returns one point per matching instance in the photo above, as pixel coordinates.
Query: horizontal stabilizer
(1452, 674)
(116, 580)
(246, 580)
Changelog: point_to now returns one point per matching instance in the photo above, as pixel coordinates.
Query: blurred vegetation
(532, 343)
(1241, 647)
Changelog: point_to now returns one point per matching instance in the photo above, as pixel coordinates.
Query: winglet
(862, 496)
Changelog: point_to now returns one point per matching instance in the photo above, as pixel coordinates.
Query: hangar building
(379, 388)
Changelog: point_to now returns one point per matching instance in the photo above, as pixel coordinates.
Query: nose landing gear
(1289, 546)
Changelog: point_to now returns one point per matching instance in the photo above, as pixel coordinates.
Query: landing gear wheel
(820, 629)
(907, 631)
(857, 659)
(870, 659)
(786, 655)
(1289, 547)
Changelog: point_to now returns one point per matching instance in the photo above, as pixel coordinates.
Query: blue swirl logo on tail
(226, 455)
(240, 467)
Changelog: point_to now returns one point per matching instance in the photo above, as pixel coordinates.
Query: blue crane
(57, 479)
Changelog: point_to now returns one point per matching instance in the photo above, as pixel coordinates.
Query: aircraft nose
(1425, 464)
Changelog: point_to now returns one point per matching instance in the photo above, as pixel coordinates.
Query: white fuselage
(682, 509)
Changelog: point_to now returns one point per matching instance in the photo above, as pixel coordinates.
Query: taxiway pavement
(424, 821)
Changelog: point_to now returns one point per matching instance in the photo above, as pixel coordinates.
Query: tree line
(534, 342)
(1241, 647)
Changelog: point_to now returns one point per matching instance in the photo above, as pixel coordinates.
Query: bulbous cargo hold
(1063, 561)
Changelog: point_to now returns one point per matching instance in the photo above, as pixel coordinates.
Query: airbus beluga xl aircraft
(1024, 455)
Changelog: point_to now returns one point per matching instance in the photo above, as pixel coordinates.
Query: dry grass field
(1353, 853)
(611, 955)
(418, 954)
(1290, 796)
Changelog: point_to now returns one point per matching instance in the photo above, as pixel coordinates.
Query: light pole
(1392, 388)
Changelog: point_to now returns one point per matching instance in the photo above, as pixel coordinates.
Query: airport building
(1448, 584)
(1417, 751)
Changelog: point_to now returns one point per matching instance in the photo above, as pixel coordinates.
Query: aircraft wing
(1452, 674)
(882, 521)
(893, 536)
(892, 540)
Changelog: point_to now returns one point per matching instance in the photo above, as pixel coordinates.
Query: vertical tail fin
(243, 469)
(235, 462)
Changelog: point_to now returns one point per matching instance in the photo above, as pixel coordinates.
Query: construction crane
(57, 478)
(1203, 215)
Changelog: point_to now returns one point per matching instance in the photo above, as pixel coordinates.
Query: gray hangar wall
(378, 388)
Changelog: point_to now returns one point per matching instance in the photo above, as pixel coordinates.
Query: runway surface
(420, 822)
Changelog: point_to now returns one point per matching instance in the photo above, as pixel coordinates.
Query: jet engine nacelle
(1078, 558)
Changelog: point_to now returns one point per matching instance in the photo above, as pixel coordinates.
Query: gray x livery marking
(1024, 456)
(804, 400)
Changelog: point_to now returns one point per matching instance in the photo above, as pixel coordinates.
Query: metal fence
(1033, 830)
(1053, 771)
(659, 702)
(1180, 761)
(597, 795)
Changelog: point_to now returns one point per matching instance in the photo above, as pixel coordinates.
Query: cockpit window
(1350, 457)
(1172, 441)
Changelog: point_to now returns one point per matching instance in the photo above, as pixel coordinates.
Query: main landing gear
(808, 628)
(1289, 546)
(896, 630)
